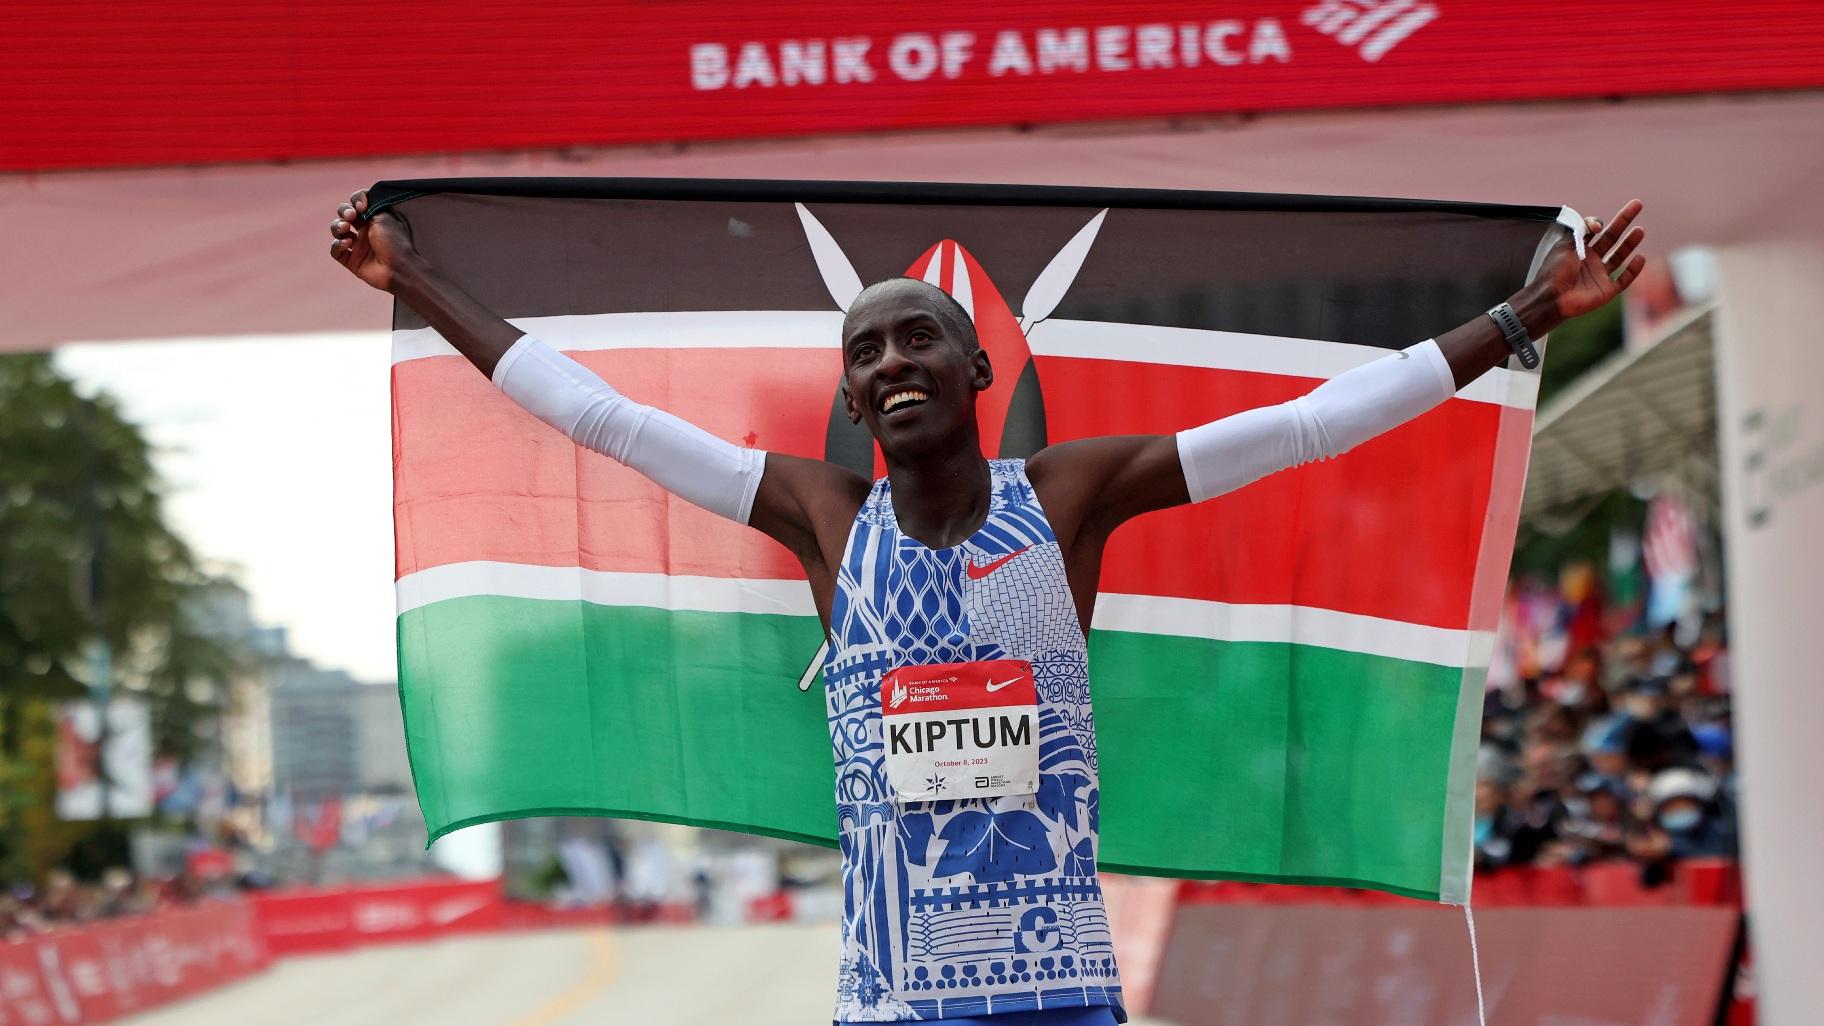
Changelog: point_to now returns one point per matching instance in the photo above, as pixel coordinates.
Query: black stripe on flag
(1383, 272)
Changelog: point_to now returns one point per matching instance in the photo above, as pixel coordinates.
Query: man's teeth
(901, 398)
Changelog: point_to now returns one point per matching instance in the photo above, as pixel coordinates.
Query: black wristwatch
(1515, 333)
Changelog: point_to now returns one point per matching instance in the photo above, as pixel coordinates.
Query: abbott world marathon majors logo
(1372, 28)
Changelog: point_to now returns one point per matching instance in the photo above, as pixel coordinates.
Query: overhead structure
(1639, 416)
(190, 182)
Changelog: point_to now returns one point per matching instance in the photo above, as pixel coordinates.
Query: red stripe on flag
(1391, 530)
(477, 478)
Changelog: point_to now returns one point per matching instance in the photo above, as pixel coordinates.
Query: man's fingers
(1630, 272)
(1616, 228)
(1622, 252)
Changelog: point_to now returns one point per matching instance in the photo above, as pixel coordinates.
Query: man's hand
(1566, 286)
(373, 251)
(380, 253)
(1576, 285)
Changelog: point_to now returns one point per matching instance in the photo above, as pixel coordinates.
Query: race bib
(961, 730)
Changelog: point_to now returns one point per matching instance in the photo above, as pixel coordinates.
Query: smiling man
(955, 592)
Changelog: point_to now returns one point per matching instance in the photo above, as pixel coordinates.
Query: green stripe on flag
(534, 707)
(1245, 760)
(1272, 761)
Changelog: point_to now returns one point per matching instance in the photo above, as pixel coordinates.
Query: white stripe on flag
(1233, 350)
(706, 329)
(1297, 625)
(678, 593)
(1090, 340)
(1143, 614)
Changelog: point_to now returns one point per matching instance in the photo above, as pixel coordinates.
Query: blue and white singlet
(980, 906)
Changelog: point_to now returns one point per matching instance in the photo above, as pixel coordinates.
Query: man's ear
(983, 378)
(848, 401)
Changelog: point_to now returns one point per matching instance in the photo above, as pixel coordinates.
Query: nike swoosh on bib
(993, 687)
(976, 573)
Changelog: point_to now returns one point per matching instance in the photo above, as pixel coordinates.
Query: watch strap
(1515, 333)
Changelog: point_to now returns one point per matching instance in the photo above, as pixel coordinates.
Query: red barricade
(1569, 897)
(771, 908)
(1605, 884)
(1241, 964)
(96, 973)
(328, 920)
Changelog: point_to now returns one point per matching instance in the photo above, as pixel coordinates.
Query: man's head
(911, 366)
(1646, 699)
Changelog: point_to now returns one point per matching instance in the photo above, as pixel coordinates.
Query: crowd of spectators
(1605, 741)
(62, 900)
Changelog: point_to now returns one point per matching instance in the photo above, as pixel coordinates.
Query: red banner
(148, 82)
(97, 973)
(326, 920)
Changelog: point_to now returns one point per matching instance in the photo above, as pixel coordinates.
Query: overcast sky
(277, 455)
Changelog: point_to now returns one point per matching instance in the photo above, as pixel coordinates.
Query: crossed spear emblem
(1020, 408)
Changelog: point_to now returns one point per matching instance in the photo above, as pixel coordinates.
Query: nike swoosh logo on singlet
(976, 572)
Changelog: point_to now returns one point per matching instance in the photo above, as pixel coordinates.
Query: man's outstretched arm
(1094, 485)
(782, 496)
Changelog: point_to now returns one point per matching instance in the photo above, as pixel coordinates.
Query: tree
(86, 555)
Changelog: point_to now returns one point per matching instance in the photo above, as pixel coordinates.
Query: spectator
(1684, 806)
(1494, 826)
(1598, 749)
(1658, 738)
(1597, 826)
(64, 900)
(1605, 743)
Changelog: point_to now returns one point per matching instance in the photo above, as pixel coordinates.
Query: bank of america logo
(1371, 27)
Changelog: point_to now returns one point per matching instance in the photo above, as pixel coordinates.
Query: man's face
(909, 373)
(1609, 763)
(1645, 705)
(1489, 796)
(1605, 807)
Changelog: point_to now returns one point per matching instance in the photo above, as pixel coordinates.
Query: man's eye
(921, 336)
(862, 352)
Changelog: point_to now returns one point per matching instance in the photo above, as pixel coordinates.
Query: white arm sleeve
(677, 456)
(1333, 418)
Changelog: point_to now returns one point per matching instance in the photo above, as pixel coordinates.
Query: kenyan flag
(1288, 679)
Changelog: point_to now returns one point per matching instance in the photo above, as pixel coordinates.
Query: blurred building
(225, 611)
(333, 735)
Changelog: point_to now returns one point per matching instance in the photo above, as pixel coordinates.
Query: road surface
(651, 976)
